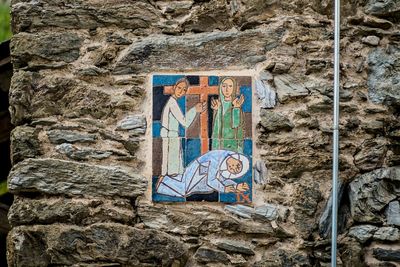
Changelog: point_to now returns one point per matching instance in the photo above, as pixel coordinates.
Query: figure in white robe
(214, 171)
(172, 117)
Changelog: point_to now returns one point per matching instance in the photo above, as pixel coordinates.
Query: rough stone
(240, 210)
(371, 40)
(90, 71)
(282, 257)
(393, 213)
(385, 8)
(155, 53)
(202, 220)
(363, 232)
(351, 252)
(132, 122)
(386, 254)
(199, 221)
(235, 246)
(237, 259)
(315, 65)
(132, 145)
(209, 17)
(266, 94)
(268, 212)
(118, 39)
(20, 95)
(207, 255)
(265, 212)
(27, 47)
(73, 179)
(29, 16)
(387, 234)
(44, 245)
(37, 96)
(282, 66)
(273, 122)
(309, 148)
(78, 211)
(305, 203)
(288, 88)
(383, 83)
(61, 136)
(260, 173)
(373, 127)
(370, 155)
(24, 143)
(76, 153)
(370, 21)
(369, 193)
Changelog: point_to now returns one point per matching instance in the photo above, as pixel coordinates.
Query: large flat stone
(202, 220)
(55, 177)
(66, 245)
(26, 47)
(33, 15)
(204, 51)
(80, 211)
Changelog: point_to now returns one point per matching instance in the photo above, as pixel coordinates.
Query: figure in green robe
(228, 123)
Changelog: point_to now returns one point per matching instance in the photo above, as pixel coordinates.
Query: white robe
(172, 116)
(206, 174)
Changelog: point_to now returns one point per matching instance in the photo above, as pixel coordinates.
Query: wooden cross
(203, 90)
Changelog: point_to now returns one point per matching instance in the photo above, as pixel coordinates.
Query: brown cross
(203, 90)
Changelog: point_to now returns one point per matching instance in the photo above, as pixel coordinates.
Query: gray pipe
(335, 165)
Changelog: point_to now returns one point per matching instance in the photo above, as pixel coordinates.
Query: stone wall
(80, 99)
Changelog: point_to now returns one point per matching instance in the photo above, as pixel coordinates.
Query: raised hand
(238, 102)
(243, 187)
(230, 189)
(215, 104)
(201, 107)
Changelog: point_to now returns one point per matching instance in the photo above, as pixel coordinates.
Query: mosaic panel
(202, 138)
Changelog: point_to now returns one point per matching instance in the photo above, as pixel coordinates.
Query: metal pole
(335, 166)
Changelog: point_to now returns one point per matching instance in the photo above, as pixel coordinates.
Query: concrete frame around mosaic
(211, 175)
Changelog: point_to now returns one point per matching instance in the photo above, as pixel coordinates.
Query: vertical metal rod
(335, 165)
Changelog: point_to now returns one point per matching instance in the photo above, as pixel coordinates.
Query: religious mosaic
(202, 138)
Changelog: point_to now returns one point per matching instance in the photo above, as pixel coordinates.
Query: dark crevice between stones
(133, 202)
(325, 223)
(6, 198)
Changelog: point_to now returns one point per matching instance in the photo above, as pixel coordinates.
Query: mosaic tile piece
(202, 147)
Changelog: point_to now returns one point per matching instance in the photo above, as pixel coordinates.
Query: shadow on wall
(5, 130)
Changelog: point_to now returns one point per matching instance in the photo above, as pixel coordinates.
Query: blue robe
(204, 175)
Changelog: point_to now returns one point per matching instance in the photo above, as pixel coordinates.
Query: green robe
(227, 127)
